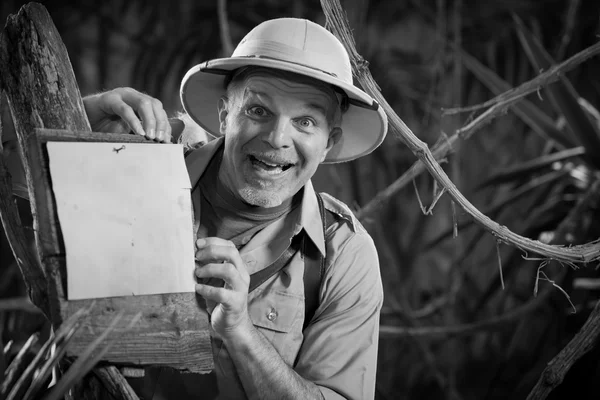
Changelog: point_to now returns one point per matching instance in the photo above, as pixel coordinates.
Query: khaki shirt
(338, 349)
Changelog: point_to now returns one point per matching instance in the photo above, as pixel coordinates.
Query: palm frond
(65, 332)
(88, 358)
(18, 365)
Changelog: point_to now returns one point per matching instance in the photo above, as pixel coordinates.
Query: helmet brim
(364, 124)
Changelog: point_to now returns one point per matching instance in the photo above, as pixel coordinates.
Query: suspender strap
(259, 277)
(314, 269)
(314, 265)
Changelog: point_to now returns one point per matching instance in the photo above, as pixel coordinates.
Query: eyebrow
(311, 105)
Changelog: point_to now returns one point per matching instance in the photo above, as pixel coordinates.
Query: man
(281, 105)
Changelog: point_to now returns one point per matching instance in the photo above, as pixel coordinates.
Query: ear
(223, 107)
(334, 137)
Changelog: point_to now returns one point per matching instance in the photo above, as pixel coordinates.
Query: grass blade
(46, 369)
(88, 359)
(18, 364)
(65, 331)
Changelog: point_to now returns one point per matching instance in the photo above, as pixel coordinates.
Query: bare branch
(551, 75)
(454, 220)
(499, 263)
(490, 324)
(574, 6)
(545, 278)
(423, 209)
(584, 341)
(585, 253)
(226, 42)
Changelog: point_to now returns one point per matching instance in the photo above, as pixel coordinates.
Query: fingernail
(151, 133)
(139, 129)
(159, 134)
(200, 242)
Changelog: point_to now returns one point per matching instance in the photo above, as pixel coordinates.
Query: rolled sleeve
(339, 351)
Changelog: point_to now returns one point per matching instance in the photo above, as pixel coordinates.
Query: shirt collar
(197, 160)
(310, 218)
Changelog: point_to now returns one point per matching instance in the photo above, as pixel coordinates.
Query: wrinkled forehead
(250, 77)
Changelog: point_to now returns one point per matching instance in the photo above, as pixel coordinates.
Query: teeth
(271, 169)
(269, 164)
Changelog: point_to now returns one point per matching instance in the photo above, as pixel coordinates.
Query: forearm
(263, 372)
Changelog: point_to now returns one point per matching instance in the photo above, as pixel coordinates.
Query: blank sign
(126, 217)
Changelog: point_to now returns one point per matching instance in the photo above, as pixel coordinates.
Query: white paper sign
(126, 217)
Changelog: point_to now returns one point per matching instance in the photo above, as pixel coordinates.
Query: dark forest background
(453, 327)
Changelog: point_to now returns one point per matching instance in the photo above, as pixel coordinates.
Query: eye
(257, 111)
(306, 122)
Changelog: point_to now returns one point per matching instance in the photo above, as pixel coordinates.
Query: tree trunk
(42, 91)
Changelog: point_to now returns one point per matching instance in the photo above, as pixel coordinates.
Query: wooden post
(46, 104)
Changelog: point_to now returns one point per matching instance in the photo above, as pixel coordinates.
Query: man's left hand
(219, 258)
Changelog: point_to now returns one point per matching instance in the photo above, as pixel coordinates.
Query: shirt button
(272, 315)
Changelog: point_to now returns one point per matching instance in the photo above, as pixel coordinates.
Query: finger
(163, 128)
(126, 113)
(145, 110)
(218, 254)
(216, 294)
(213, 240)
(227, 272)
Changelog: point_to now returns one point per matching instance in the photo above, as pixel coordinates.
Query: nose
(280, 134)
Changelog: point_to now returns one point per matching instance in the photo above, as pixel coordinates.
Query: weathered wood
(45, 102)
(62, 135)
(29, 264)
(115, 383)
(173, 330)
(43, 93)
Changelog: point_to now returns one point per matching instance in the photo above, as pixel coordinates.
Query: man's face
(277, 132)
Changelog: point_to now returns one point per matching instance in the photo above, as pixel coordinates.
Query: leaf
(563, 96)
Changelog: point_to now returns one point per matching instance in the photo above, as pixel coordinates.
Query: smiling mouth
(270, 167)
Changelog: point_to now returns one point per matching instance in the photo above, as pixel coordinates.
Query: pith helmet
(299, 46)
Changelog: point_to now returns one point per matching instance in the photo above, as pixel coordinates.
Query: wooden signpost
(46, 105)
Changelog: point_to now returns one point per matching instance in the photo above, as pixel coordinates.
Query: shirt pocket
(279, 316)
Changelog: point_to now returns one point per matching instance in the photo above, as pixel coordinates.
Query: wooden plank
(63, 135)
(49, 240)
(173, 330)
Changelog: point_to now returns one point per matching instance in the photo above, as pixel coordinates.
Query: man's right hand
(125, 110)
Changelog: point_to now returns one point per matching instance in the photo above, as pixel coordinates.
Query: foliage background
(431, 279)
